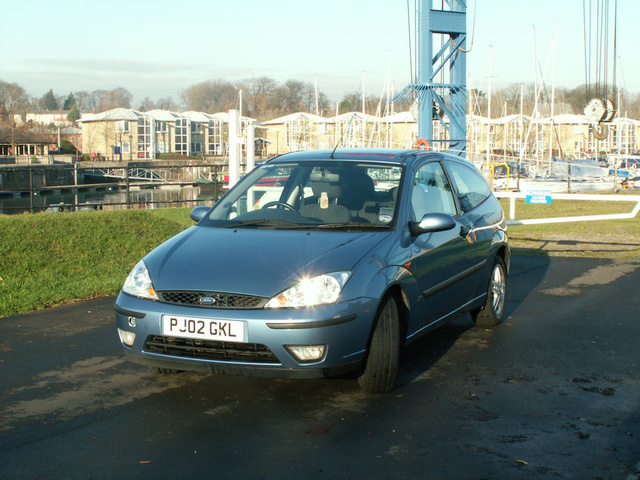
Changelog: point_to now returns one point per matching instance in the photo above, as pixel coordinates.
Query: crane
(435, 100)
(600, 109)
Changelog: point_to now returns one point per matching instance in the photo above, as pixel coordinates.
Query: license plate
(203, 328)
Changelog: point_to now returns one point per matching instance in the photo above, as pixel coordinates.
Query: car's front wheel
(381, 368)
(492, 312)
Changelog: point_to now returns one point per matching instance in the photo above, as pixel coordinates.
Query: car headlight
(310, 292)
(139, 283)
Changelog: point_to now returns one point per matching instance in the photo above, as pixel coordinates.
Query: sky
(157, 48)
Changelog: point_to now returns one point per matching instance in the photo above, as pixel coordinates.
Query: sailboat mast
(489, 107)
(553, 91)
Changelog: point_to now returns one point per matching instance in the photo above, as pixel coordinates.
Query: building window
(214, 141)
(122, 126)
(182, 136)
(145, 149)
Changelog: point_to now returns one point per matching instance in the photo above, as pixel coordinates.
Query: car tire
(381, 368)
(492, 312)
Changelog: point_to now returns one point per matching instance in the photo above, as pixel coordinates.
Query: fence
(512, 196)
(38, 188)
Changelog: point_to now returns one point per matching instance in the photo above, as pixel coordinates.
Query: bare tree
(118, 98)
(258, 97)
(167, 103)
(13, 100)
(211, 97)
(146, 105)
(634, 106)
(89, 101)
(295, 96)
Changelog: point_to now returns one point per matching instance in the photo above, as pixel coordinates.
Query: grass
(51, 259)
(602, 239)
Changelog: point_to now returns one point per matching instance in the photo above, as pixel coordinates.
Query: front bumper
(343, 327)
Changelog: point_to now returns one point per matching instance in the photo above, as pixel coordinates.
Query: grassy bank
(50, 259)
(601, 239)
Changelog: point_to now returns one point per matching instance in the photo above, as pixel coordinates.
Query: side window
(471, 186)
(431, 192)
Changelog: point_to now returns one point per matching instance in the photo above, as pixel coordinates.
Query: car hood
(253, 261)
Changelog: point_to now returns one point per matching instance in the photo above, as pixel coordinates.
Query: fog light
(127, 337)
(307, 353)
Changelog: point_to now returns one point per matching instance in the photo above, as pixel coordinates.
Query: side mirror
(198, 213)
(432, 222)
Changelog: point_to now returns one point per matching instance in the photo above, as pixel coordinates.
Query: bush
(67, 148)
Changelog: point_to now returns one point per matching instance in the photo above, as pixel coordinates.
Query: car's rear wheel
(492, 312)
(381, 368)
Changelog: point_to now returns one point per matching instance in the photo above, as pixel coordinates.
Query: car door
(441, 262)
(477, 218)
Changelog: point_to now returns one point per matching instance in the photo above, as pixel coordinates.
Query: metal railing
(512, 196)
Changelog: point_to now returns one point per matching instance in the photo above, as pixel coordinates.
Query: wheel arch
(399, 283)
(501, 246)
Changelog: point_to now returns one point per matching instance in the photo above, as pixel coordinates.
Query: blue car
(321, 263)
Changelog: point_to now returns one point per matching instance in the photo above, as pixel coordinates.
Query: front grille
(210, 349)
(212, 299)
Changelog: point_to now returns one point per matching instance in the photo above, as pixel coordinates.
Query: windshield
(323, 195)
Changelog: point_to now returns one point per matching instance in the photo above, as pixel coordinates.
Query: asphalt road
(553, 392)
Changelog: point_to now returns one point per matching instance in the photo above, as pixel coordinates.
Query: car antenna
(353, 114)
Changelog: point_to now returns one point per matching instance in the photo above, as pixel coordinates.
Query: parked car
(332, 269)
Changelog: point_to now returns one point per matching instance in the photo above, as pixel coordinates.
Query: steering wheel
(277, 203)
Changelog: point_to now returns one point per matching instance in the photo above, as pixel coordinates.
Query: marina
(43, 188)
(109, 198)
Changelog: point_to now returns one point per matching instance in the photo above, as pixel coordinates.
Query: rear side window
(471, 186)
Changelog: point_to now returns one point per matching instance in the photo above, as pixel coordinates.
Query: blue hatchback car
(320, 263)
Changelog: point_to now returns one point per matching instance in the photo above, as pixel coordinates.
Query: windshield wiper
(266, 223)
(348, 225)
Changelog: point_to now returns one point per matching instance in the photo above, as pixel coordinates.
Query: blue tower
(449, 96)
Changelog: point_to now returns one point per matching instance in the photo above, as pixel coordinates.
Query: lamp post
(130, 147)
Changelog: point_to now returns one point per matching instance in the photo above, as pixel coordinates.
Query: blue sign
(539, 197)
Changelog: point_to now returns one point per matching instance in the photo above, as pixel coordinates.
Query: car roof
(399, 156)
(373, 155)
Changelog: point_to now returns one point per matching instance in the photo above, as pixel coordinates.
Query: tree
(66, 147)
(634, 106)
(118, 98)
(295, 96)
(87, 101)
(69, 102)
(258, 97)
(211, 97)
(146, 105)
(13, 101)
(74, 114)
(167, 103)
(348, 102)
(49, 101)
(262, 97)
